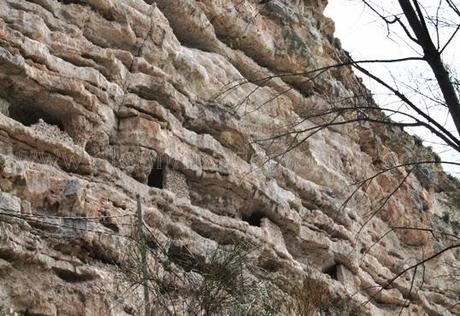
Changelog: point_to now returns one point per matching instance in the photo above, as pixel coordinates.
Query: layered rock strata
(190, 104)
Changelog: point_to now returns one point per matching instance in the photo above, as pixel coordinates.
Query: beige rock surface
(96, 95)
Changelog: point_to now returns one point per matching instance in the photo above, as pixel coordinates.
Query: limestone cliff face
(174, 100)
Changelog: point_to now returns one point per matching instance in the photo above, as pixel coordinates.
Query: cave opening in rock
(29, 115)
(254, 219)
(332, 271)
(155, 179)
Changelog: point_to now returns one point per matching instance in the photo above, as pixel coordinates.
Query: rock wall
(189, 104)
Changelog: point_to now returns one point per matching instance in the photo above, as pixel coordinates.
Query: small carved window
(155, 179)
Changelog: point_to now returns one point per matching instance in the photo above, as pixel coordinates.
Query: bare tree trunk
(432, 56)
(143, 253)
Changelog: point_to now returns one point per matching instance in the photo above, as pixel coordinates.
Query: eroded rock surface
(181, 102)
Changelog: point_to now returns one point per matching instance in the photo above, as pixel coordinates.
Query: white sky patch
(364, 35)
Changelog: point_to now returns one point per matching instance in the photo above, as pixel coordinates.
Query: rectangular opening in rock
(29, 115)
(332, 271)
(155, 179)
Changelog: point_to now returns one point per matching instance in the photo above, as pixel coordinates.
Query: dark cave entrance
(254, 219)
(332, 271)
(29, 115)
(155, 179)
